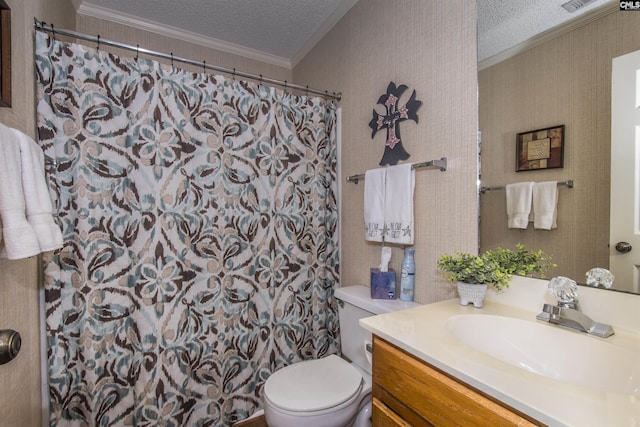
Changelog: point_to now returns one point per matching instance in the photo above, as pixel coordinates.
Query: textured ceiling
(286, 30)
(503, 24)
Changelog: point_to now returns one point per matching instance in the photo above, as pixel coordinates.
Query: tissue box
(383, 284)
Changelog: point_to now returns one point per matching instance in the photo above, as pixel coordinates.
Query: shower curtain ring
(137, 51)
(98, 47)
(233, 75)
(204, 66)
(171, 61)
(260, 79)
(285, 86)
(53, 32)
(307, 90)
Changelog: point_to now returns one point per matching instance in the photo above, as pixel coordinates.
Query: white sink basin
(567, 356)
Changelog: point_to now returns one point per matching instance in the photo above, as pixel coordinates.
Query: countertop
(421, 331)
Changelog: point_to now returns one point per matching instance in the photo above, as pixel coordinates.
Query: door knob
(623, 247)
(10, 343)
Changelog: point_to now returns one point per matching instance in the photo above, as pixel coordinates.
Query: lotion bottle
(407, 282)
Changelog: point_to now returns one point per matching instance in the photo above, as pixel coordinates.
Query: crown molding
(551, 34)
(86, 9)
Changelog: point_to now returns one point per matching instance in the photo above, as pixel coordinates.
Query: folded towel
(398, 204)
(545, 205)
(374, 187)
(518, 204)
(19, 239)
(36, 194)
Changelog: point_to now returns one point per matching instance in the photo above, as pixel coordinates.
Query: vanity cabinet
(410, 392)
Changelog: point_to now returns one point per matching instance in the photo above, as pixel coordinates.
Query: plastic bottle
(407, 282)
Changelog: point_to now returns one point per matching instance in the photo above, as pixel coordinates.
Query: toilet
(331, 392)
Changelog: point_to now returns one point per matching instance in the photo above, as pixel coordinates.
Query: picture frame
(5, 55)
(540, 149)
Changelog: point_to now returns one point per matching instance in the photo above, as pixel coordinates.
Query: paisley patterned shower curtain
(200, 224)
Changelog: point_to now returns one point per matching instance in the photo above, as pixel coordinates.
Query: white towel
(545, 205)
(19, 239)
(398, 204)
(374, 193)
(36, 194)
(518, 204)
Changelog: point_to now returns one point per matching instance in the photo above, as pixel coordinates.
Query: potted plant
(521, 261)
(474, 273)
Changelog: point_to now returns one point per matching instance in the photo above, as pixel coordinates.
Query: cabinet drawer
(413, 388)
(383, 416)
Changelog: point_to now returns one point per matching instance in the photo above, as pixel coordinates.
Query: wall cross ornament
(395, 114)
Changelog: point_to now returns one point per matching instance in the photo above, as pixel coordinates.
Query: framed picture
(540, 149)
(5, 55)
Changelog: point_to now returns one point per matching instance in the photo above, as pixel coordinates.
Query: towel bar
(440, 164)
(568, 183)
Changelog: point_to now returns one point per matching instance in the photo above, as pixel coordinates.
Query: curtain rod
(440, 164)
(43, 26)
(568, 183)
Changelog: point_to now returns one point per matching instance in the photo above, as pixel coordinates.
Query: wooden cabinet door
(423, 395)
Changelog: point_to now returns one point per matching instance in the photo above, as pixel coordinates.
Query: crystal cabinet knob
(10, 343)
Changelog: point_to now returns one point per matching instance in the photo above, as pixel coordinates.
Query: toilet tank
(355, 303)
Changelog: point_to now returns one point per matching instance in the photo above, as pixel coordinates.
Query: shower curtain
(200, 224)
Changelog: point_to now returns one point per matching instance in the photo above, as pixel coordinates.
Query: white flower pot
(472, 293)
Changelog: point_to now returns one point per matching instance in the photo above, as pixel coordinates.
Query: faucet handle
(565, 290)
(600, 276)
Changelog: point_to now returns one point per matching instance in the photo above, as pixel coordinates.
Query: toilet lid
(313, 385)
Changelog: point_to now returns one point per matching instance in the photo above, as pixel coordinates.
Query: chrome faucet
(567, 312)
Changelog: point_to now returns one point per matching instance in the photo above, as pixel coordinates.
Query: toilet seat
(314, 386)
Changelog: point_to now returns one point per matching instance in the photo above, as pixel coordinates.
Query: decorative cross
(393, 150)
